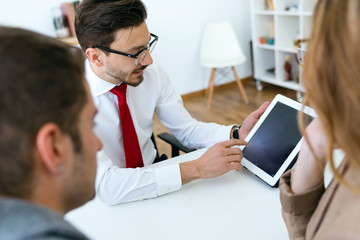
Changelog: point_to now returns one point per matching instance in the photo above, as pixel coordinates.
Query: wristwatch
(235, 133)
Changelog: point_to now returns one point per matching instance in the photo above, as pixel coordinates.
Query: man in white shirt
(117, 43)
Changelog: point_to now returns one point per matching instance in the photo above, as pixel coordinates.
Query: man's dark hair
(41, 81)
(97, 20)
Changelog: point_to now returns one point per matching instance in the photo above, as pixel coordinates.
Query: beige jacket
(333, 213)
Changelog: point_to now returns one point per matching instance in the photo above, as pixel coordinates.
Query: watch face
(236, 133)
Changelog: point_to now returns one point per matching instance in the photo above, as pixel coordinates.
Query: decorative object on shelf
(69, 10)
(269, 5)
(266, 40)
(271, 41)
(288, 68)
(60, 22)
(262, 40)
(292, 7)
(271, 70)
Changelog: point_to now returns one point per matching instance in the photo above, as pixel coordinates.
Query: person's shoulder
(24, 220)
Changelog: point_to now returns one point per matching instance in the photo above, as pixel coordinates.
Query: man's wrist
(189, 172)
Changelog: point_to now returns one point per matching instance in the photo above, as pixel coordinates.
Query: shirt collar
(97, 85)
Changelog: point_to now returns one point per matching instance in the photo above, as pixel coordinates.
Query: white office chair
(220, 48)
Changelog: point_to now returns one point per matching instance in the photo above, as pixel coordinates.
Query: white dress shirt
(115, 183)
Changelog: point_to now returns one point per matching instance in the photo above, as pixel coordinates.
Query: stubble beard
(125, 77)
(81, 187)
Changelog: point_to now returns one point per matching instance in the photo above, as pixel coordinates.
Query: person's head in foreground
(47, 145)
(332, 77)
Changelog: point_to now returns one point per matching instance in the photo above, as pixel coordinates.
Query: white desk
(236, 205)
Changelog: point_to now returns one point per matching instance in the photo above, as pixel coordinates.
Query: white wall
(178, 24)
(30, 14)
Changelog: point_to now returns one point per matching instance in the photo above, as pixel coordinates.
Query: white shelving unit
(283, 26)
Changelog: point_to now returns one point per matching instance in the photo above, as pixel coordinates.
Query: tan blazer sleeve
(297, 209)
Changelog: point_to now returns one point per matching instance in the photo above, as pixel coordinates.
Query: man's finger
(234, 158)
(232, 142)
(233, 151)
(235, 166)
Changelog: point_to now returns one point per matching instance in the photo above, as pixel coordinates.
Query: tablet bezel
(272, 181)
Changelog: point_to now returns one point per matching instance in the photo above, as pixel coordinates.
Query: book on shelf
(269, 4)
(69, 10)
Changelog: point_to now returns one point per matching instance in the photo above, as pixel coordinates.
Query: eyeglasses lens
(150, 48)
(300, 55)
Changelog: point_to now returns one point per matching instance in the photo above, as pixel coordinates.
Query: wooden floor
(227, 107)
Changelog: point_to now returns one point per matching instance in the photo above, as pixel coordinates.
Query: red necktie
(131, 144)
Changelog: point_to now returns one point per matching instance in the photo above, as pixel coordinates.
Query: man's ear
(94, 56)
(50, 147)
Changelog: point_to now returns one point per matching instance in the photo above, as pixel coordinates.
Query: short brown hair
(97, 20)
(41, 81)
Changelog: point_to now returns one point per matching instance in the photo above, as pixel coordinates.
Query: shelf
(288, 84)
(265, 46)
(288, 13)
(284, 26)
(264, 12)
(266, 77)
(282, 83)
(288, 50)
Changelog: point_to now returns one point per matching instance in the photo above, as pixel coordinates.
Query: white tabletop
(236, 205)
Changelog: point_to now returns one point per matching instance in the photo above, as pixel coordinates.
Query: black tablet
(275, 140)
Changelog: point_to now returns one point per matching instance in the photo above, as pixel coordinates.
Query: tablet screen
(275, 139)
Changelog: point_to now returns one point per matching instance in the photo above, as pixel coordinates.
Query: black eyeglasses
(139, 56)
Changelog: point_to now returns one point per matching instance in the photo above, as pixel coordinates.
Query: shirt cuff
(226, 135)
(168, 179)
(298, 203)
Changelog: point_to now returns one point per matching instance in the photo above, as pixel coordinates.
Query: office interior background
(179, 25)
